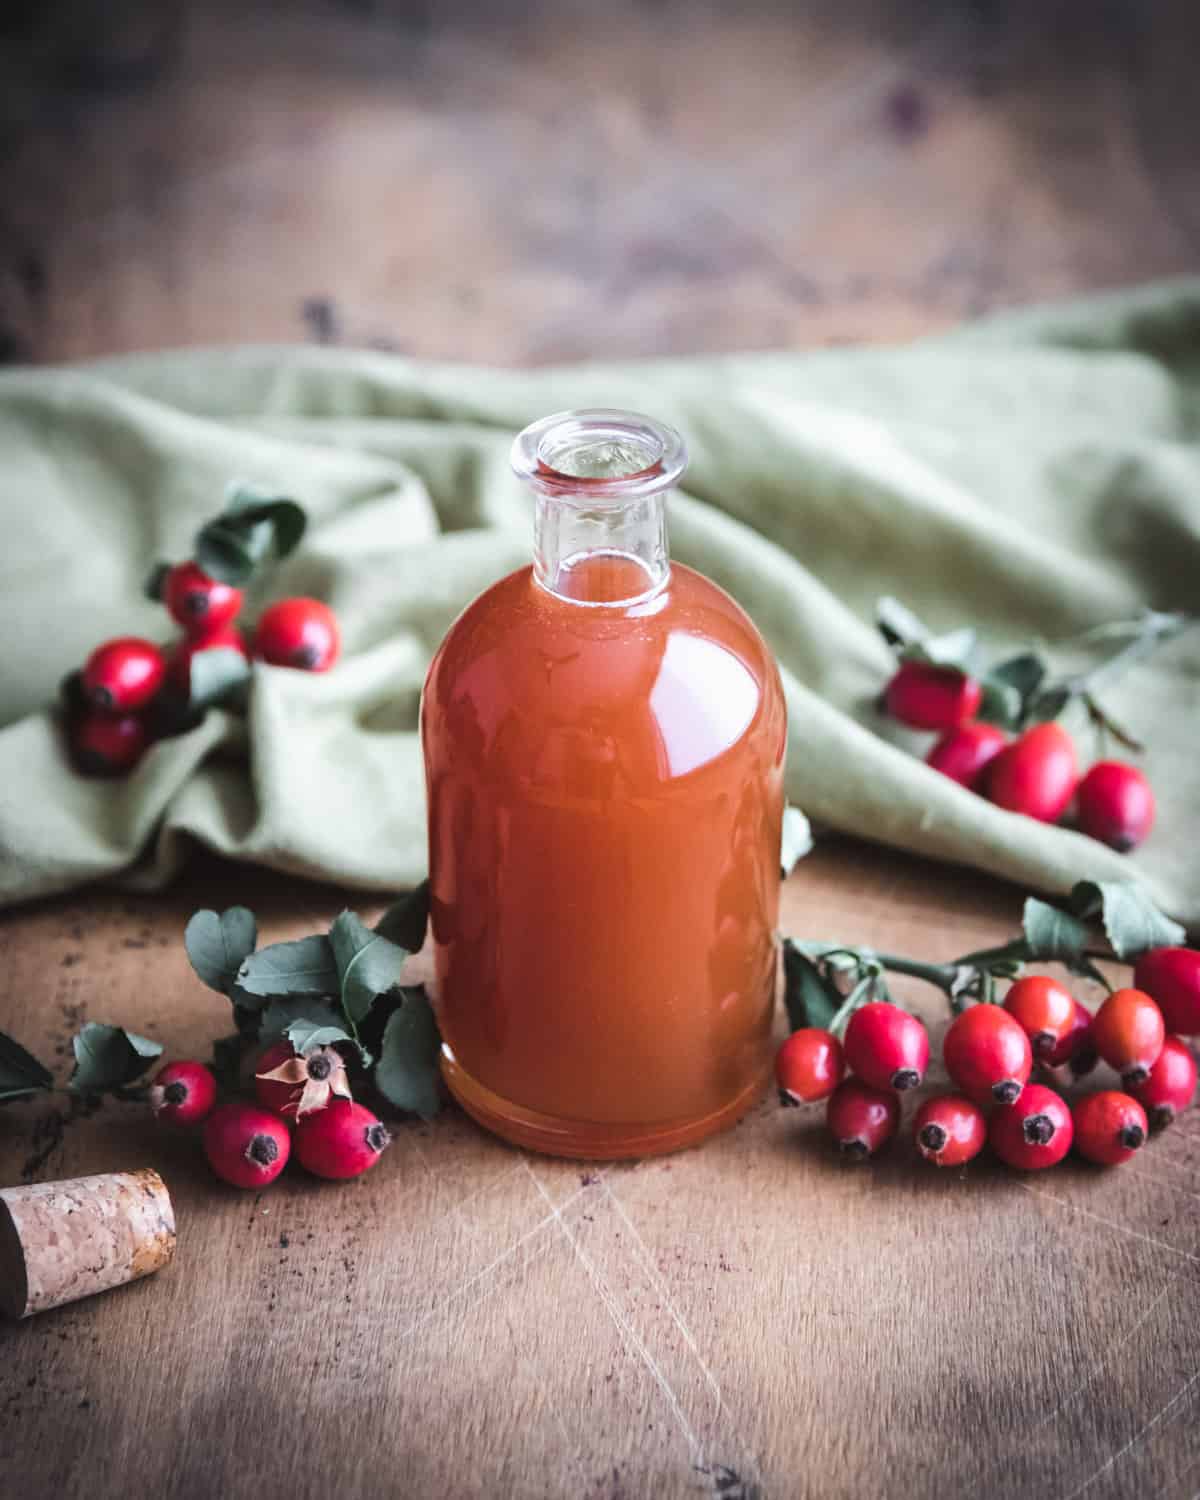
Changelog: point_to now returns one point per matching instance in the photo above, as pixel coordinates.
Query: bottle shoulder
(655, 690)
(515, 616)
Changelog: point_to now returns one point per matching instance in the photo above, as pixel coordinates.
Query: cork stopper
(60, 1241)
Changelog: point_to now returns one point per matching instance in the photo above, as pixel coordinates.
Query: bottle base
(587, 1140)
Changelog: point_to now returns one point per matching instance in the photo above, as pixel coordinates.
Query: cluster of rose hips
(116, 704)
(303, 1104)
(989, 1052)
(1036, 773)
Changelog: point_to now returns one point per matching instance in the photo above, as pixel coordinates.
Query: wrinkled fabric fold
(1036, 475)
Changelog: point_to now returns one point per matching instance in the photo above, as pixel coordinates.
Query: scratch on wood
(1148, 1239)
(439, 1311)
(660, 1286)
(1106, 1358)
(1136, 1438)
(604, 1292)
(1164, 1182)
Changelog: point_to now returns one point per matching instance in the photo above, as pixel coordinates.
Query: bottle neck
(601, 554)
(600, 479)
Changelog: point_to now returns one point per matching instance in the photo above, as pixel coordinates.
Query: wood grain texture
(524, 183)
(469, 1320)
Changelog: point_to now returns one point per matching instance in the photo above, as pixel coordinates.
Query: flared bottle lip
(541, 453)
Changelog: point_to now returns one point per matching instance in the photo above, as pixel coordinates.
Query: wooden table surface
(525, 183)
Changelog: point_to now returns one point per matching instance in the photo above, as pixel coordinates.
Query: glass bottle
(604, 738)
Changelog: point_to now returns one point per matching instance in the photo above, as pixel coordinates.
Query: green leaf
(305, 967)
(407, 1071)
(215, 674)
(368, 963)
(810, 1000)
(1008, 687)
(218, 946)
(1053, 934)
(109, 1057)
(405, 922)
(285, 519)
(156, 581)
(1048, 704)
(1000, 704)
(1132, 922)
(898, 625)
(20, 1072)
(303, 1017)
(1025, 672)
(796, 840)
(954, 650)
(306, 1034)
(228, 553)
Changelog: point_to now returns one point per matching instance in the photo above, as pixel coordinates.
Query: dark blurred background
(529, 182)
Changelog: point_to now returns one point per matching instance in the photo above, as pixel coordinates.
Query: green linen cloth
(1035, 474)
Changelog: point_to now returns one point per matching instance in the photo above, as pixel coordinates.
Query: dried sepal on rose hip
(183, 1093)
(294, 1084)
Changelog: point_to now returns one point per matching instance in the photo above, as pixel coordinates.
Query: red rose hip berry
(927, 697)
(104, 745)
(201, 604)
(949, 1130)
(987, 1054)
(1035, 775)
(1044, 1010)
(1114, 804)
(886, 1046)
(1129, 1033)
(808, 1066)
(1109, 1127)
(183, 1093)
(1034, 1132)
(1171, 976)
(965, 753)
(122, 676)
(861, 1119)
(340, 1141)
(298, 633)
(1171, 1085)
(1075, 1048)
(246, 1145)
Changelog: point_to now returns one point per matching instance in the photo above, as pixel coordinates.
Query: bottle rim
(541, 455)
